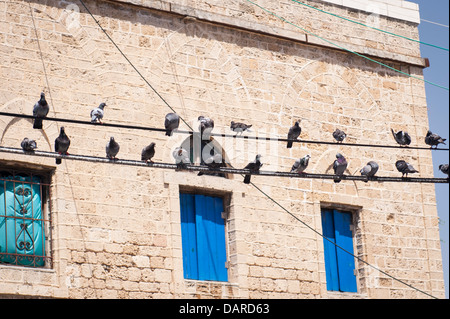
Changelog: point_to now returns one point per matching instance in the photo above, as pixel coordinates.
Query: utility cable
(345, 49)
(432, 22)
(368, 26)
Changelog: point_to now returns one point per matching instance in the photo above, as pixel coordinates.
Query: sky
(438, 104)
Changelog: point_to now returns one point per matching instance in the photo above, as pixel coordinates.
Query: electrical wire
(345, 49)
(368, 26)
(432, 22)
(246, 137)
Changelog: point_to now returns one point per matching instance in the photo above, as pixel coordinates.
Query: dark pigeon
(444, 168)
(112, 148)
(339, 135)
(300, 165)
(369, 170)
(205, 127)
(181, 157)
(171, 122)
(401, 137)
(434, 139)
(213, 161)
(339, 167)
(405, 168)
(253, 167)
(62, 143)
(148, 152)
(97, 113)
(40, 110)
(238, 127)
(293, 134)
(28, 145)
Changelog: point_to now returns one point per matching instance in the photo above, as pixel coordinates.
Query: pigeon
(148, 152)
(205, 127)
(28, 145)
(293, 134)
(405, 168)
(369, 170)
(181, 157)
(214, 161)
(444, 168)
(253, 167)
(239, 127)
(401, 137)
(97, 113)
(339, 135)
(62, 143)
(112, 148)
(339, 166)
(300, 165)
(171, 122)
(434, 139)
(40, 110)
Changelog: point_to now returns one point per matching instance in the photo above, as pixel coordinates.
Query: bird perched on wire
(181, 157)
(339, 135)
(97, 113)
(300, 165)
(112, 148)
(401, 137)
(254, 167)
(369, 170)
(238, 127)
(171, 122)
(444, 168)
(339, 167)
(148, 152)
(62, 143)
(40, 111)
(213, 161)
(28, 145)
(405, 168)
(433, 139)
(205, 127)
(294, 133)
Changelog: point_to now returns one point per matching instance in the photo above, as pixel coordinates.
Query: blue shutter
(329, 248)
(188, 236)
(346, 262)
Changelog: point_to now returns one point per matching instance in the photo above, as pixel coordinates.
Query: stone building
(100, 230)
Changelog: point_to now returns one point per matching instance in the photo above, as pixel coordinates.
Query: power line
(368, 26)
(246, 137)
(348, 50)
(439, 24)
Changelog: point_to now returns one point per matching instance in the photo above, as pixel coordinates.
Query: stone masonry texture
(116, 229)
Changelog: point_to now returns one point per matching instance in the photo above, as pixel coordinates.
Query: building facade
(103, 230)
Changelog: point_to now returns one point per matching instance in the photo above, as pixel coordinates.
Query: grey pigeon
(293, 134)
(238, 127)
(434, 139)
(62, 143)
(213, 161)
(181, 157)
(253, 167)
(148, 152)
(405, 168)
(300, 165)
(171, 122)
(205, 127)
(401, 137)
(339, 166)
(28, 145)
(97, 113)
(339, 135)
(369, 170)
(112, 148)
(40, 110)
(444, 168)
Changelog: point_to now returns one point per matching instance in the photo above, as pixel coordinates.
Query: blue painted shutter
(188, 236)
(331, 269)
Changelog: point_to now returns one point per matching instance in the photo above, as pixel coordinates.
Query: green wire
(348, 50)
(391, 33)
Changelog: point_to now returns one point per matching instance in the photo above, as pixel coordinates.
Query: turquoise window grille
(22, 222)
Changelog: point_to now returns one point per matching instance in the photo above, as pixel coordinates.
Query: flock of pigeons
(181, 156)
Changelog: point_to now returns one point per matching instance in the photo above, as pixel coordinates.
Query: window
(339, 265)
(203, 237)
(22, 223)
